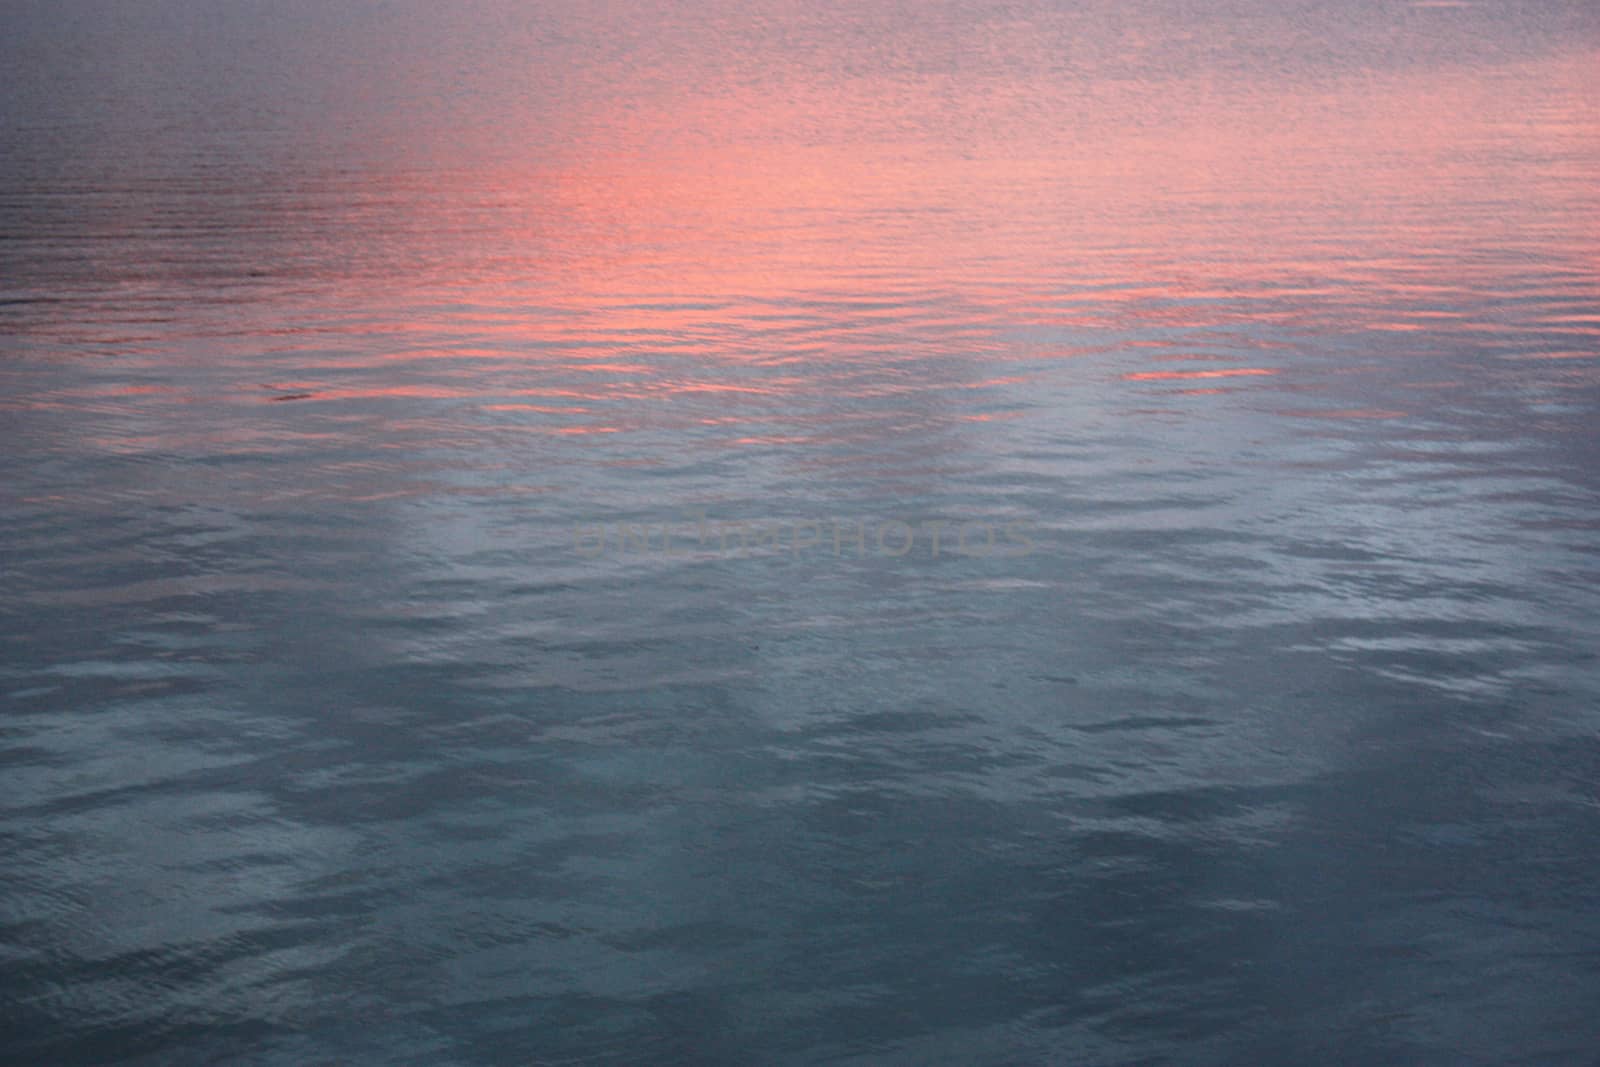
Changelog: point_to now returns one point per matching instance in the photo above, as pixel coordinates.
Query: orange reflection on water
(811, 245)
(1185, 375)
(708, 250)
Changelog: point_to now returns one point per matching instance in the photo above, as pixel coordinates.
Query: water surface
(471, 480)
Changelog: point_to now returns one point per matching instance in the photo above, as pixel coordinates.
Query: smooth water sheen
(471, 478)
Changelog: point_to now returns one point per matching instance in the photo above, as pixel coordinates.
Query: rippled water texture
(470, 488)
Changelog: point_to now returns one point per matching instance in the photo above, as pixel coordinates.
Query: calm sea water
(667, 533)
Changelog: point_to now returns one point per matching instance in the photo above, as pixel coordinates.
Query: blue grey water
(708, 533)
